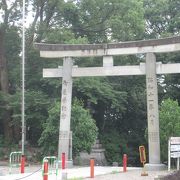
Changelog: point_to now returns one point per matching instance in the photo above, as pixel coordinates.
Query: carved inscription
(153, 136)
(64, 100)
(152, 119)
(64, 135)
(151, 108)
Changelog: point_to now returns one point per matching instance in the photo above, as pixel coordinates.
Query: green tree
(82, 125)
(103, 20)
(162, 17)
(10, 12)
(169, 124)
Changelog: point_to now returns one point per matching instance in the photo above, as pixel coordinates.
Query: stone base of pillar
(69, 164)
(155, 167)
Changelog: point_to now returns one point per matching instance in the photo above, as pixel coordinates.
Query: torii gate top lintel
(170, 44)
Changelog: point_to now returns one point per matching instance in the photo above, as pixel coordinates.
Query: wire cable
(29, 174)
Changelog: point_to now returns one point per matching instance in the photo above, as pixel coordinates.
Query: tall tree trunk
(4, 86)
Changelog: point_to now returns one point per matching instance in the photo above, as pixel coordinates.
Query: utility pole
(23, 78)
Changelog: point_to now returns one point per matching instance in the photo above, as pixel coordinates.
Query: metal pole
(169, 154)
(23, 77)
(178, 163)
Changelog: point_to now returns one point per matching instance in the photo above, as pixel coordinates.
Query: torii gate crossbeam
(150, 68)
(112, 71)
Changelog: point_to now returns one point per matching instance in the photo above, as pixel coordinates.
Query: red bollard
(124, 162)
(63, 160)
(45, 174)
(22, 163)
(92, 168)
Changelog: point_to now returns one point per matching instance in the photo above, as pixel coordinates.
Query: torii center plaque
(107, 51)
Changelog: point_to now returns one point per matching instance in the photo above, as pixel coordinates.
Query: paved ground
(79, 173)
(132, 174)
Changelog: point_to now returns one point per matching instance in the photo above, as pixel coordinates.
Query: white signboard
(175, 140)
(173, 150)
(175, 155)
(175, 147)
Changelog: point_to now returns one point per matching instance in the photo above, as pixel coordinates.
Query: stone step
(97, 146)
(97, 150)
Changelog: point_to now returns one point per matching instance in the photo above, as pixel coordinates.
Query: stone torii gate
(107, 51)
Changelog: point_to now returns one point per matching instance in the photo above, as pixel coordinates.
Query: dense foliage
(169, 124)
(117, 104)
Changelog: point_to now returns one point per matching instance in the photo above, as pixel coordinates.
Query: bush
(82, 125)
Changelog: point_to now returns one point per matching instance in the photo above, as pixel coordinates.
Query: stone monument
(97, 153)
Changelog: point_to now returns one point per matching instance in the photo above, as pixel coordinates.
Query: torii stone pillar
(152, 113)
(65, 116)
